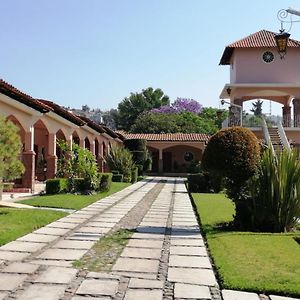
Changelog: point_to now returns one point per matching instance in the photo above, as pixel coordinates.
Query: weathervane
(285, 16)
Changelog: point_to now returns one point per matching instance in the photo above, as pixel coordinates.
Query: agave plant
(275, 192)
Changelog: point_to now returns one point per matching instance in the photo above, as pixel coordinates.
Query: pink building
(258, 72)
(41, 123)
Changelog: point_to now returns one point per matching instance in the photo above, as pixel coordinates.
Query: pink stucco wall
(247, 66)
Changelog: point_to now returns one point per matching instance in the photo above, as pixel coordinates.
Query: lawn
(259, 262)
(71, 201)
(18, 222)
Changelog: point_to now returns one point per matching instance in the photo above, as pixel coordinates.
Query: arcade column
(160, 161)
(28, 158)
(286, 116)
(51, 158)
(296, 104)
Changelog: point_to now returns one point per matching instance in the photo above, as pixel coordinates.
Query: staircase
(275, 139)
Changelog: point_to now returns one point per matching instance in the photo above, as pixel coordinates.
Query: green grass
(71, 201)
(105, 252)
(15, 223)
(259, 262)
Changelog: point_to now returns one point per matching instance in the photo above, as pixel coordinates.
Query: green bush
(234, 153)
(139, 157)
(135, 144)
(198, 183)
(114, 172)
(275, 192)
(194, 167)
(134, 175)
(105, 183)
(140, 170)
(140, 178)
(117, 178)
(120, 159)
(79, 185)
(57, 185)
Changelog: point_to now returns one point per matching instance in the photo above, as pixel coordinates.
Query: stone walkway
(166, 257)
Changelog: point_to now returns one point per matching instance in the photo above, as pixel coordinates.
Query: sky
(97, 52)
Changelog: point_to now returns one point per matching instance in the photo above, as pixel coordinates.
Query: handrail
(283, 136)
(267, 135)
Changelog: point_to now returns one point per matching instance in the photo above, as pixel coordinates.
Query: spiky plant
(275, 192)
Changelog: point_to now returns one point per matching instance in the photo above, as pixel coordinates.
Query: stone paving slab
(13, 256)
(52, 231)
(102, 275)
(192, 276)
(237, 295)
(2, 295)
(64, 225)
(143, 294)
(21, 268)
(141, 253)
(272, 297)
(93, 229)
(38, 238)
(136, 265)
(140, 243)
(137, 283)
(147, 236)
(187, 242)
(98, 287)
(57, 275)
(91, 298)
(140, 275)
(190, 291)
(100, 224)
(84, 236)
(43, 292)
(71, 244)
(52, 262)
(70, 219)
(193, 251)
(62, 254)
(189, 261)
(9, 282)
(23, 246)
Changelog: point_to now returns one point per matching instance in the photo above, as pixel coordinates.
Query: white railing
(283, 137)
(267, 135)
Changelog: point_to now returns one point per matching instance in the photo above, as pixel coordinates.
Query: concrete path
(166, 257)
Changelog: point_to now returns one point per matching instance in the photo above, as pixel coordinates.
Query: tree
(10, 148)
(185, 122)
(137, 103)
(257, 108)
(234, 153)
(180, 105)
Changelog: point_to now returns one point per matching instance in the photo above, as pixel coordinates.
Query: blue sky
(96, 52)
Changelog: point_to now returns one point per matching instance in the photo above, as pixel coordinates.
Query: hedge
(134, 175)
(117, 177)
(198, 183)
(105, 183)
(139, 157)
(57, 185)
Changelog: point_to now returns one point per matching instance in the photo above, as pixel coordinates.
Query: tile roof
(168, 137)
(260, 39)
(12, 92)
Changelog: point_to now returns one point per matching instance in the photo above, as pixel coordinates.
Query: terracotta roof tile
(12, 92)
(168, 137)
(260, 39)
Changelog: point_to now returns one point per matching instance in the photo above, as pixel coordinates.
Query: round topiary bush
(232, 152)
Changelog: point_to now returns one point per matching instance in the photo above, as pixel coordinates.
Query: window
(188, 156)
(268, 57)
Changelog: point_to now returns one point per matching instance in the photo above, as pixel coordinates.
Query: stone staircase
(275, 139)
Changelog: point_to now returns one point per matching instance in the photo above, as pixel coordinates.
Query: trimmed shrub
(139, 157)
(114, 172)
(57, 185)
(198, 183)
(140, 170)
(117, 177)
(135, 144)
(105, 183)
(232, 152)
(140, 178)
(134, 175)
(79, 185)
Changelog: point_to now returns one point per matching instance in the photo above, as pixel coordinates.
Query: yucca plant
(275, 192)
(120, 159)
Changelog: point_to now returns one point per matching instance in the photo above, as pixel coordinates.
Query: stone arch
(60, 136)
(41, 142)
(16, 122)
(87, 143)
(76, 138)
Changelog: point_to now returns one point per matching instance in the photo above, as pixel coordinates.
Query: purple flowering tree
(178, 106)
